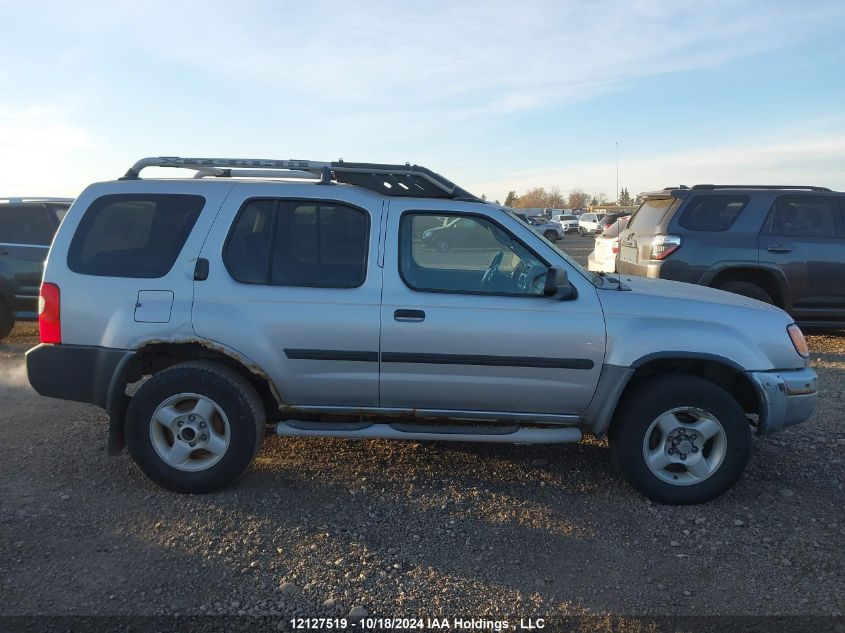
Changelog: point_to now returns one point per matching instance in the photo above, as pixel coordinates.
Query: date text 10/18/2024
(423, 624)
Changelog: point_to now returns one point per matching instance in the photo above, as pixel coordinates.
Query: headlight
(798, 340)
(427, 234)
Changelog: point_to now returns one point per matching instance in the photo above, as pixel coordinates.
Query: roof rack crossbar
(251, 167)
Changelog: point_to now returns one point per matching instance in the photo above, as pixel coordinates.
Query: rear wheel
(195, 427)
(680, 439)
(747, 289)
(7, 320)
(442, 245)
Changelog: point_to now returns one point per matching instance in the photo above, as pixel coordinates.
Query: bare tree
(578, 199)
(535, 197)
(554, 199)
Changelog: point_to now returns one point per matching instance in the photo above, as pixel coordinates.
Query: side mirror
(557, 284)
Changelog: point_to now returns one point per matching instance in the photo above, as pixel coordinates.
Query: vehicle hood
(677, 291)
(657, 316)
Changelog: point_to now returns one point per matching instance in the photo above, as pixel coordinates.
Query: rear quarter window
(133, 235)
(650, 213)
(712, 213)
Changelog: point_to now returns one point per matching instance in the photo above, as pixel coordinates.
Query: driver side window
(466, 254)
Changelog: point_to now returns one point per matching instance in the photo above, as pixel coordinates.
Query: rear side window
(133, 235)
(298, 243)
(802, 217)
(650, 213)
(712, 213)
(27, 224)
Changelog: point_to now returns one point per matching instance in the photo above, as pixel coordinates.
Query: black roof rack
(391, 180)
(775, 187)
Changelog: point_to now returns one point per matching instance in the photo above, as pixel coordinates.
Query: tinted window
(803, 217)
(467, 254)
(650, 213)
(616, 228)
(247, 252)
(298, 243)
(27, 224)
(133, 235)
(712, 213)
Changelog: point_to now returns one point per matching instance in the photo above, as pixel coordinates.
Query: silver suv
(302, 299)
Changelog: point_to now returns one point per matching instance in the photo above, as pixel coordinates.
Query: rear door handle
(3, 252)
(412, 316)
(778, 248)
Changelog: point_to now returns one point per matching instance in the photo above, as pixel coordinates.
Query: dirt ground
(318, 527)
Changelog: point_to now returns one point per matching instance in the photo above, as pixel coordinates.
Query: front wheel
(680, 439)
(581, 231)
(195, 427)
(551, 236)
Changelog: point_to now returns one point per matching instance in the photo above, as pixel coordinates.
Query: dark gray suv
(781, 245)
(27, 226)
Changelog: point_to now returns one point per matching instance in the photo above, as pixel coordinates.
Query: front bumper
(787, 397)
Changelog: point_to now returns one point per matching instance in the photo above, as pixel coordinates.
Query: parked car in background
(27, 226)
(603, 257)
(569, 223)
(251, 307)
(608, 219)
(590, 223)
(780, 245)
(551, 230)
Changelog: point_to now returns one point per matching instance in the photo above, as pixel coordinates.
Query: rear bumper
(787, 397)
(75, 372)
(601, 265)
(648, 269)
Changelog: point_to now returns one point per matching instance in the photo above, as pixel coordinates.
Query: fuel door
(154, 306)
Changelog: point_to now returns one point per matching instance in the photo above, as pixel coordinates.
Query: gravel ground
(319, 527)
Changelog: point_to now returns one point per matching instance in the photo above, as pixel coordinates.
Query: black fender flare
(777, 274)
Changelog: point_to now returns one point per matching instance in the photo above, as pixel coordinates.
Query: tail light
(615, 246)
(50, 314)
(664, 245)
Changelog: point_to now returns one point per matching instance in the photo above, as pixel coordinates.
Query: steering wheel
(493, 268)
(524, 274)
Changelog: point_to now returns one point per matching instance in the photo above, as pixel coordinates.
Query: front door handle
(778, 248)
(411, 316)
(3, 252)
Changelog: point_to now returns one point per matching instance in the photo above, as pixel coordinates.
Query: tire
(442, 245)
(677, 401)
(550, 235)
(7, 320)
(581, 231)
(233, 425)
(747, 289)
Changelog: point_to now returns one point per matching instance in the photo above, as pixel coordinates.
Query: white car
(590, 223)
(603, 257)
(568, 222)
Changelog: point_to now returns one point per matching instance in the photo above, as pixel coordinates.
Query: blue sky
(494, 95)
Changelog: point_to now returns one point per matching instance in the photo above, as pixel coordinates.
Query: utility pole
(617, 173)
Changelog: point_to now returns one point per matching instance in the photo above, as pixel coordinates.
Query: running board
(404, 431)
